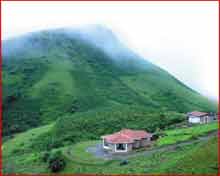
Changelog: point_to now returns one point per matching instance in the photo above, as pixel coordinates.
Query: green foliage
(71, 91)
(92, 124)
(182, 134)
(202, 159)
(45, 156)
(21, 111)
(56, 74)
(180, 160)
(78, 160)
(56, 161)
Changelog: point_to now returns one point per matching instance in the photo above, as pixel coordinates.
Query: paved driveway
(98, 151)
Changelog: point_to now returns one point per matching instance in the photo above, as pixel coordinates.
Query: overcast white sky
(181, 37)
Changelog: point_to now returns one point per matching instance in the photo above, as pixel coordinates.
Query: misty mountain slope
(54, 74)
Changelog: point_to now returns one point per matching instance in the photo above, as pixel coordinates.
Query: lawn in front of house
(79, 153)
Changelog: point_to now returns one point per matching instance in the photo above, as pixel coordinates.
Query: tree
(45, 156)
(56, 162)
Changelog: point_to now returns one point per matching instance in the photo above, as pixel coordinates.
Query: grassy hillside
(92, 124)
(203, 158)
(73, 86)
(183, 134)
(19, 156)
(197, 158)
(50, 74)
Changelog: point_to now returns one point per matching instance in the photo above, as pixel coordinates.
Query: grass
(187, 159)
(58, 70)
(21, 143)
(57, 81)
(176, 98)
(92, 124)
(28, 163)
(18, 155)
(55, 75)
(82, 93)
(201, 157)
(79, 154)
(183, 134)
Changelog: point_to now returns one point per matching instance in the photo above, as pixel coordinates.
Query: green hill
(87, 76)
(65, 86)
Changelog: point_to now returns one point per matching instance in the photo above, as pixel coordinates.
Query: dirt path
(98, 152)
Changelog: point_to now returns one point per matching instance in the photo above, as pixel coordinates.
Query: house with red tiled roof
(126, 140)
(200, 117)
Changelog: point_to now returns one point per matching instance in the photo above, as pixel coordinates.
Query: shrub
(56, 162)
(45, 156)
(194, 137)
(155, 137)
(124, 162)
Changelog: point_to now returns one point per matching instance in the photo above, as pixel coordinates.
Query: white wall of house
(193, 119)
(104, 146)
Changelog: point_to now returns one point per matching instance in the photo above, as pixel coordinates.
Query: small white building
(199, 117)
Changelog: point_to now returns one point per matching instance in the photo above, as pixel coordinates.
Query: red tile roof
(126, 136)
(197, 113)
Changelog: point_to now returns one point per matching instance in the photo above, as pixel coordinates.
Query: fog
(181, 37)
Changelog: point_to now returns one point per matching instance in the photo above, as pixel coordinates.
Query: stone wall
(129, 147)
(136, 144)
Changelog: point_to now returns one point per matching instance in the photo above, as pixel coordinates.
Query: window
(120, 146)
(105, 143)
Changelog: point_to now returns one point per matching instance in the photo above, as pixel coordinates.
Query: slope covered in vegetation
(63, 86)
(50, 75)
(199, 157)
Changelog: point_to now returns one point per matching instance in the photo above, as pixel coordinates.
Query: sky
(180, 37)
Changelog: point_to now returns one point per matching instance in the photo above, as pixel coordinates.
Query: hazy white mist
(181, 37)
